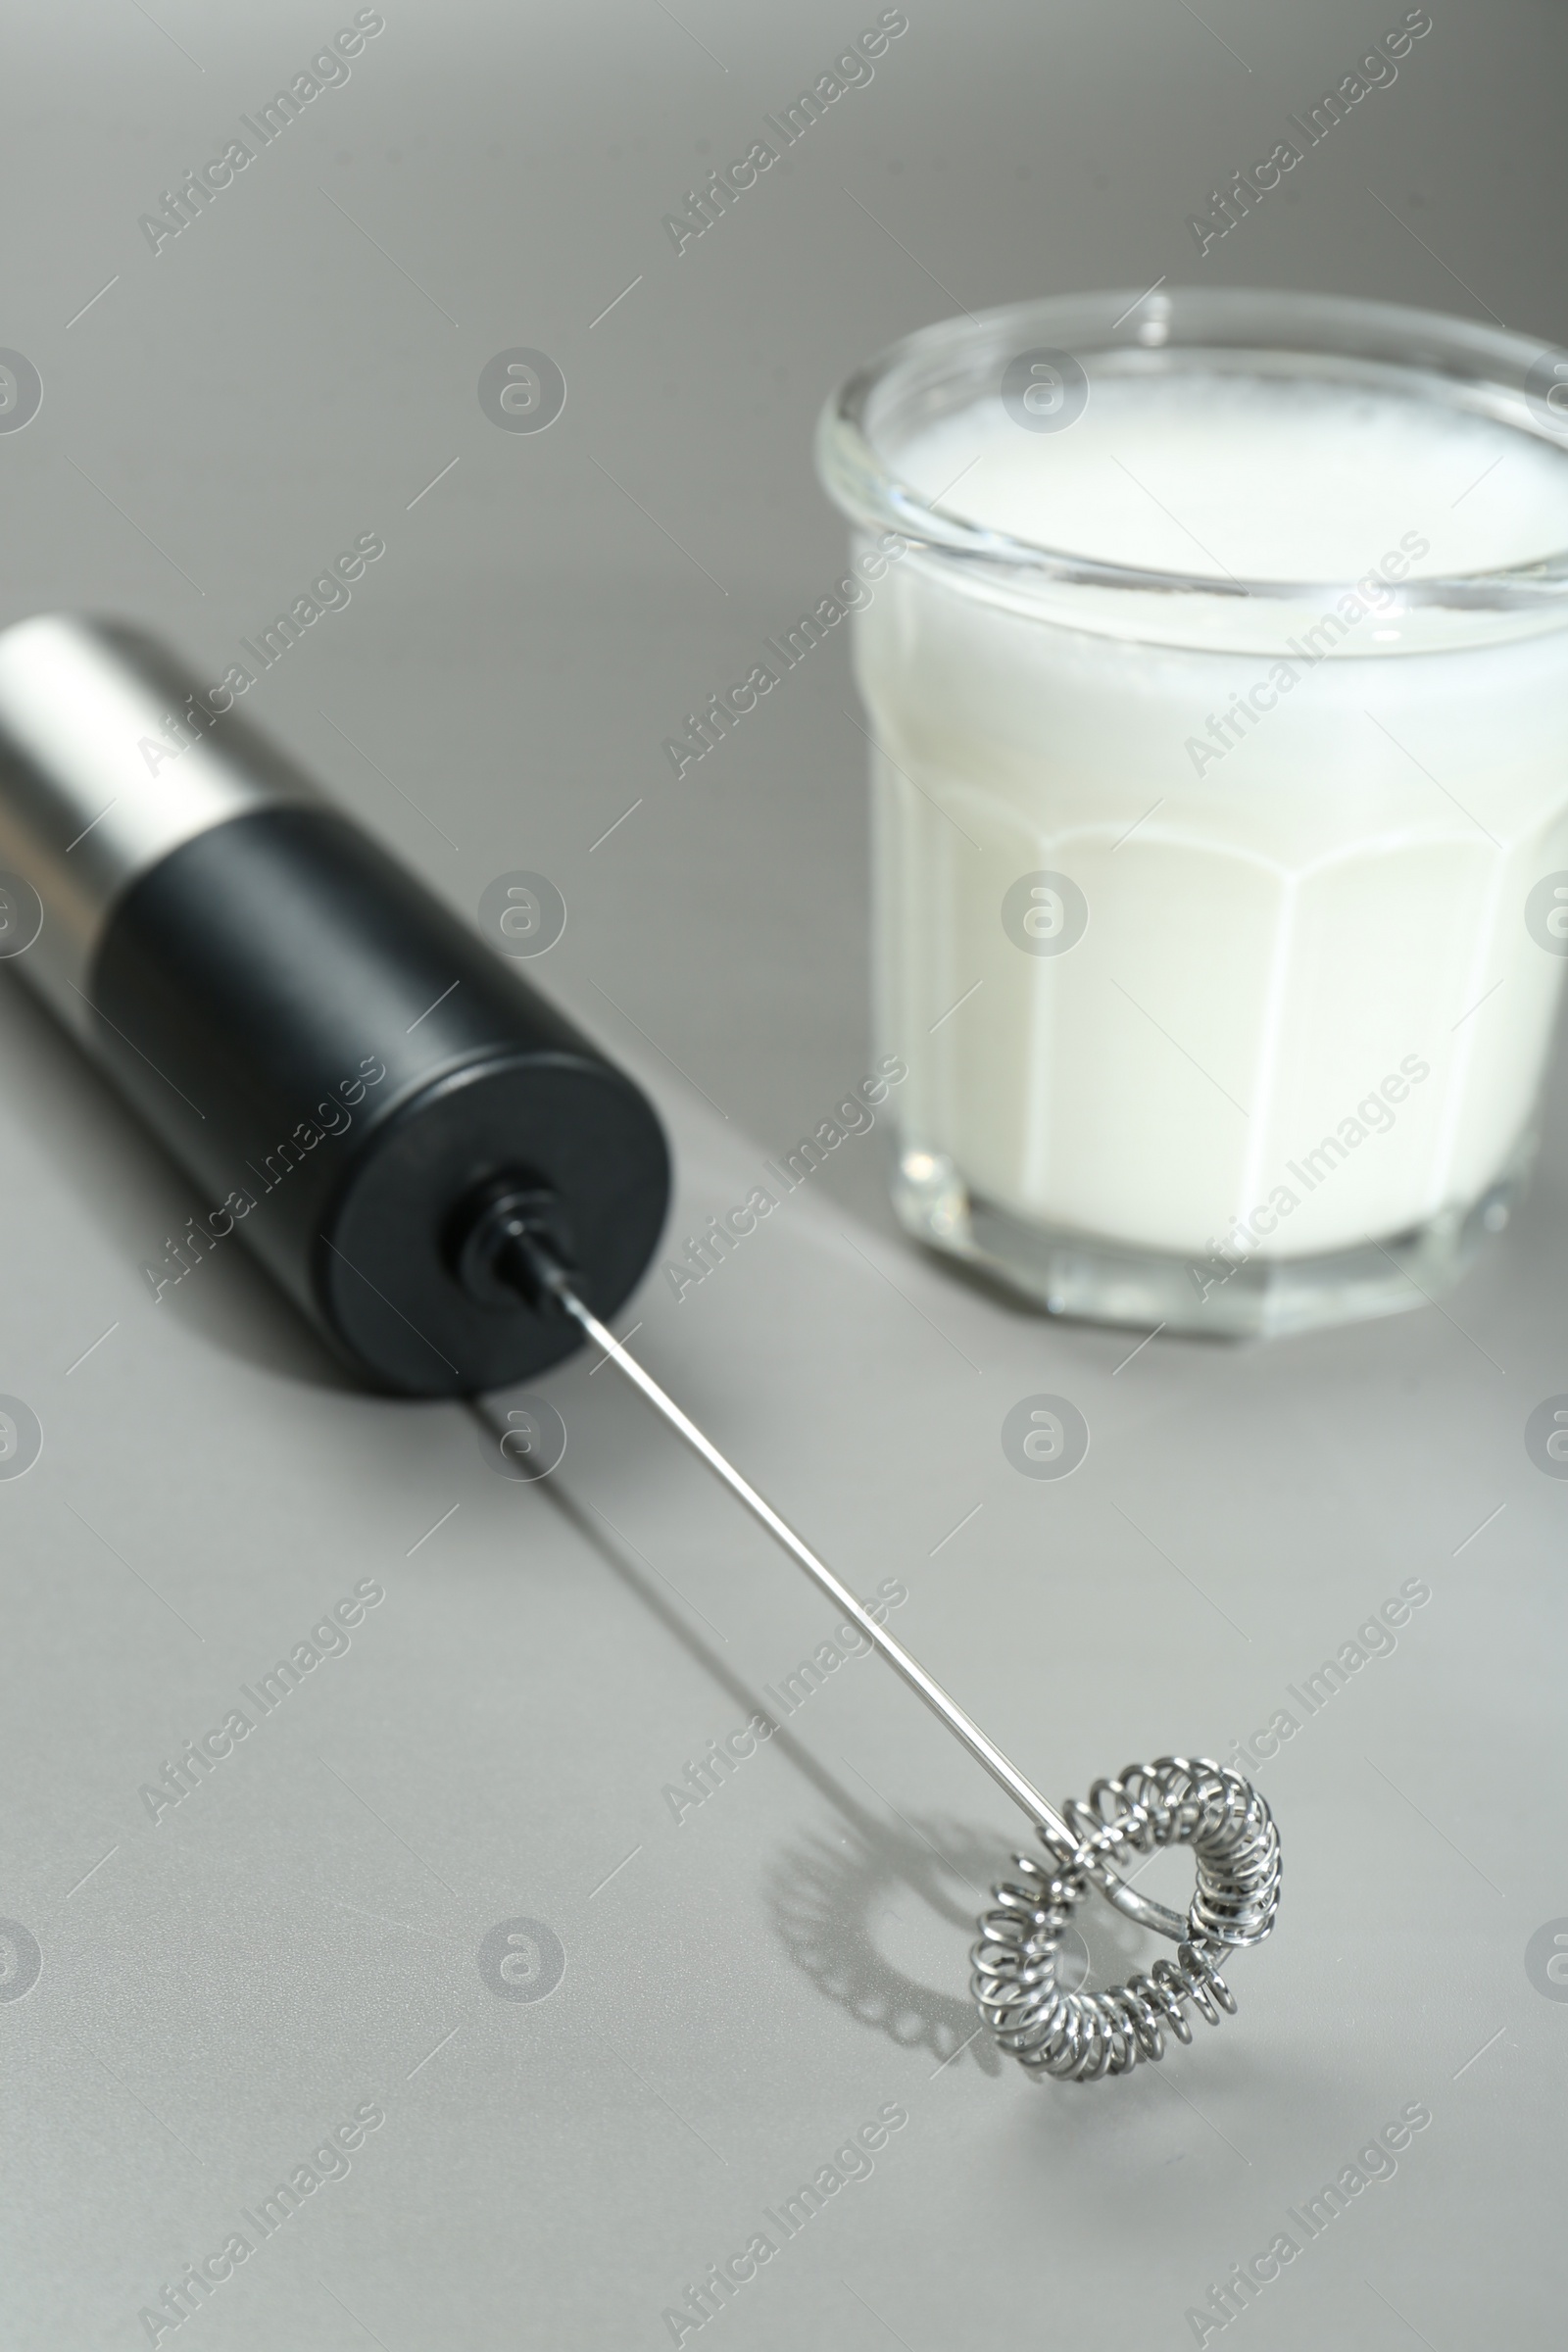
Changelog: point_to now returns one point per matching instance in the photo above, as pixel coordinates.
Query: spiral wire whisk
(1077, 2036)
(1073, 2035)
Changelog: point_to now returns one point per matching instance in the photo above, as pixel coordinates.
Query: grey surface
(219, 1988)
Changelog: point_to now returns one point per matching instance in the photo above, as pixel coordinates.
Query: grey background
(220, 1988)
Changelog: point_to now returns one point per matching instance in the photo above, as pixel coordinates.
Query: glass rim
(1480, 369)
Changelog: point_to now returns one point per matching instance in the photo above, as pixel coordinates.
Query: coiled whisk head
(1079, 2036)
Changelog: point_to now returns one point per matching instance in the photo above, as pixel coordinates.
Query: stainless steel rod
(984, 1751)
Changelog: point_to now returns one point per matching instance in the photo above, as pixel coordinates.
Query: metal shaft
(985, 1751)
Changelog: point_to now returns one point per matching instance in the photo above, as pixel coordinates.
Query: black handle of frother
(351, 1077)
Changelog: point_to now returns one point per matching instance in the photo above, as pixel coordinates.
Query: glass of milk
(1215, 648)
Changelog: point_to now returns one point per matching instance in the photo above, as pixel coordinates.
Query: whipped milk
(1276, 993)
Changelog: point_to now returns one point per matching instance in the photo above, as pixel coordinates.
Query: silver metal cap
(111, 755)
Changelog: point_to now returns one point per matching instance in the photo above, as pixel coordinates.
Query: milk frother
(457, 1188)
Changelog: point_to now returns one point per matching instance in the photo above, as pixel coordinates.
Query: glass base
(1101, 1281)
